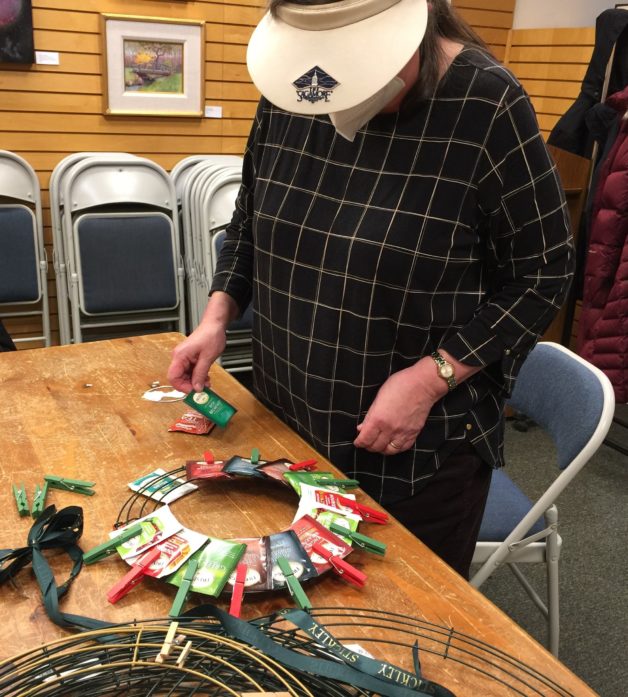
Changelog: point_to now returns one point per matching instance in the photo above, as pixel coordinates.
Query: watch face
(446, 370)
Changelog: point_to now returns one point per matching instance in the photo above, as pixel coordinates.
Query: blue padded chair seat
(127, 263)
(18, 256)
(505, 507)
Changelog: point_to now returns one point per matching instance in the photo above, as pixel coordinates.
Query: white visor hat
(320, 59)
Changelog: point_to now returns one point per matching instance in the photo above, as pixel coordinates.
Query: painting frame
(152, 66)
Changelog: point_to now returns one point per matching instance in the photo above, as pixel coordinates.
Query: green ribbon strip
(363, 672)
(52, 530)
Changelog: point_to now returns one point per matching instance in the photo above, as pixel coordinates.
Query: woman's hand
(400, 409)
(192, 358)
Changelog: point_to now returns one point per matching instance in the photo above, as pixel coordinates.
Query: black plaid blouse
(442, 227)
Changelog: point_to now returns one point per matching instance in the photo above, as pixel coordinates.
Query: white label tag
(47, 57)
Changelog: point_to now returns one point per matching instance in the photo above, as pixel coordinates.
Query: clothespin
(182, 657)
(366, 512)
(296, 591)
(78, 486)
(169, 641)
(208, 457)
(134, 576)
(39, 500)
(368, 544)
(238, 590)
(184, 588)
(107, 548)
(20, 500)
(340, 566)
(344, 483)
(308, 465)
(254, 456)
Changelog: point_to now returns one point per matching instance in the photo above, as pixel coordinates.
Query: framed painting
(16, 31)
(153, 66)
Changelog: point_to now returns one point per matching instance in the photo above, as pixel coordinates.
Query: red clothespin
(134, 576)
(367, 513)
(208, 457)
(307, 465)
(340, 566)
(238, 590)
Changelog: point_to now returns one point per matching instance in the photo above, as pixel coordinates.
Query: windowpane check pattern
(442, 226)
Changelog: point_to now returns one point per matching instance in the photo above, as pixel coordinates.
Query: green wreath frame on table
(155, 544)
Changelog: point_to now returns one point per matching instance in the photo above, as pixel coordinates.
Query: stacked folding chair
(207, 187)
(116, 240)
(23, 262)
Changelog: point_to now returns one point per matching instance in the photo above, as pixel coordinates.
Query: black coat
(572, 132)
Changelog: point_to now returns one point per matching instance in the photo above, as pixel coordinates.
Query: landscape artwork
(153, 66)
(16, 31)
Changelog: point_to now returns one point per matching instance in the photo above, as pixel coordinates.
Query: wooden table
(78, 412)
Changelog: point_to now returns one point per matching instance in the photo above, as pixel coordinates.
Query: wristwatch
(445, 370)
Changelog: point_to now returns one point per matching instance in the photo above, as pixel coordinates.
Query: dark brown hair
(443, 22)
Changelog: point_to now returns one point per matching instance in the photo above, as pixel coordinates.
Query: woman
(402, 234)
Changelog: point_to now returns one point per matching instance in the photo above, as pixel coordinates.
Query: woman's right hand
(192, 358)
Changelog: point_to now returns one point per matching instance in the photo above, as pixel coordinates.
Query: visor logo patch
(315, 86)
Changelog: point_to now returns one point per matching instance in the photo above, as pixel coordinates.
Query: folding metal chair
(121, 237)
(55, 188)
(23, 261)
(574, 402)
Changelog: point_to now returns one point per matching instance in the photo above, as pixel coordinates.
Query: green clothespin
(106, 548)
(20, 500)
(296, 591)
(254, 456)
(344, 483)
(39, 500)
(368, 544)
(184, 588)
(78, 486)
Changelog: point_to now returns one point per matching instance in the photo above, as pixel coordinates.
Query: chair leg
(552, 552)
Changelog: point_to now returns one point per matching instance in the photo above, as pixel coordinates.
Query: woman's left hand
(400, 409)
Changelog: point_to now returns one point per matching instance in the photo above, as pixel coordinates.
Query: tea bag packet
(310, 531)
(173, 552)
(156, 526)
(216, 562)
(210, 405)
(313, 498)
(275, 470)
(286, 544)
(243, 467)
(317, 479)
(161, 486)
(192, 422)
(256, 558)
(201, 469)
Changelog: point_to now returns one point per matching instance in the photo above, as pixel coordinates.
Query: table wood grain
(78, 412)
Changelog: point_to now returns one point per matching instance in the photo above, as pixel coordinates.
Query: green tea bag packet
(318, 479)
(156, 527)
(161, 486)
(216, 562)
(212, 406)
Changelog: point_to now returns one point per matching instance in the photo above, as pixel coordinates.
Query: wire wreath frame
(120, 660)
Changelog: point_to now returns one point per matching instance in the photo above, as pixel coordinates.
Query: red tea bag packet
(192, 422)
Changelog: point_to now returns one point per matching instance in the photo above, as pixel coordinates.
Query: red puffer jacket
(603, 327)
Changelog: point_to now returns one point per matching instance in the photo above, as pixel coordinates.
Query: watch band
(445, 370)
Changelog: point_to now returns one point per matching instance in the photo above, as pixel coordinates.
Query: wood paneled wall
(551, 64)
(492, 19)
(48, 112)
